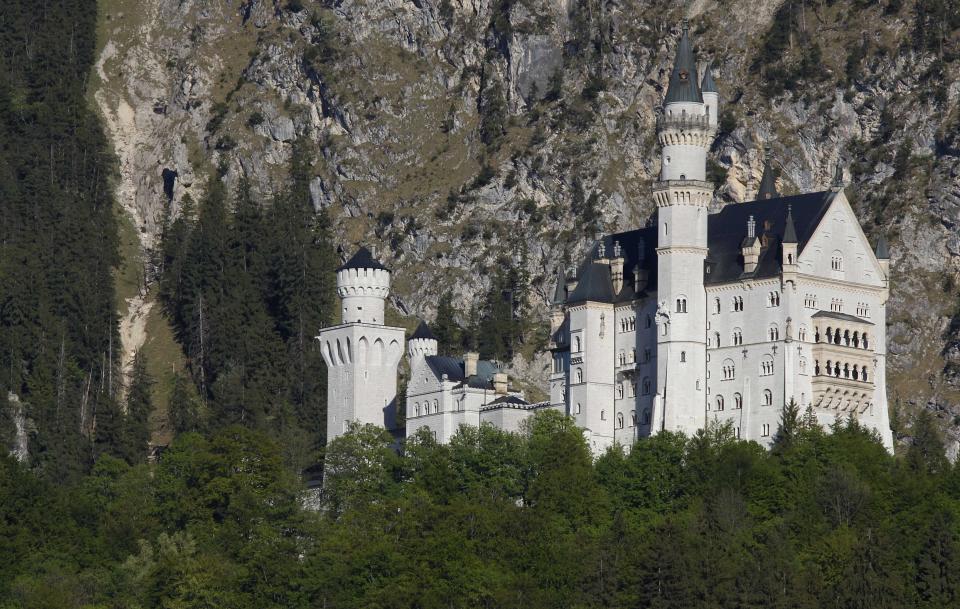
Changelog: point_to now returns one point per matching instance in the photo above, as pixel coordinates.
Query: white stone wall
(363, 293)
(362, 362)
(592, 375)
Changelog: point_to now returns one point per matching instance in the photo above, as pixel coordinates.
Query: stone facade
(721, 317)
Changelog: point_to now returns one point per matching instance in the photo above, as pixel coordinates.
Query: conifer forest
(241, 503)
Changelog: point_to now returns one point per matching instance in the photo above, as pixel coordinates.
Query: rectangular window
(765, 430)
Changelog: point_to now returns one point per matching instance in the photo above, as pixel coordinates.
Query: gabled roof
(727, 228)
(363, 259)
(683, 85)
(423, 332)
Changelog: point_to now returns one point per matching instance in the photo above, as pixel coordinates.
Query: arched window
(683, 356)
(682, 304)
(576, 344)
(418, 409)
(729, 370)
(716, 305)
(716, 338)
(619, 420)
(737, 401)
(646, 416)
(766, 365)
(633, 418)
(619, 392)
(767, 397)
(579, 375)
(774, 332)
(737, 336)
(576, 409)
(436, 406)
(648, 322)
(836, 261)
(603, 415)
(646, 386)
(720, 402)
(802, 334)
(803, 365)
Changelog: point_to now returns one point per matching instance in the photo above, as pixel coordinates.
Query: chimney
(750, 248)
(616, 268)
(500, 382)
(470, 360)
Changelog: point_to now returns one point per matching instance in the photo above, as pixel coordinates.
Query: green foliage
(59, 342)
(824, 520)
(246, 291)
(446, 328)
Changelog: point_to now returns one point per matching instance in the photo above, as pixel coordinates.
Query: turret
(556, 304)
(711, 98)
(789, 245)
(883, 256)
(363, 284)
(616, 268)
(685, 131)
(361, 354)
(422, 343)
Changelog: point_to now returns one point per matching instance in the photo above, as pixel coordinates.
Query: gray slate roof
(726, 231)
(423, 331)
(841, 317)
(707, 85)
(883, 250)
(768, 182)
(683, 85)
(363, 259)
(453, 368)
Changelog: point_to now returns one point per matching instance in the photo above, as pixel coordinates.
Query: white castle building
(701, 317)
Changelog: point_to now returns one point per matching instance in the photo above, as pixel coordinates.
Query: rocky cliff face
(459, 133)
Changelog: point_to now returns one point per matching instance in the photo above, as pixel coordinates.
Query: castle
(700, 317)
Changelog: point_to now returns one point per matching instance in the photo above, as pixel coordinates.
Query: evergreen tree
(139, 409)
(445, 327)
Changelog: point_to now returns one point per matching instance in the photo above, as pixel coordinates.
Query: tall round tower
(685, 129)
(362, 354)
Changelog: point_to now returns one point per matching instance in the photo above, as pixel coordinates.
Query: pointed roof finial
(789, 231)
(883, 250)
(838, 182)
(768, 182)
(683, 85)
(751, 228)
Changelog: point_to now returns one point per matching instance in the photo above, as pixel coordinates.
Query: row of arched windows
(838, 369)
(633, 418)
(863, 309)
(628, 324)
(720, 403)
(841, 336)
(773, 299)
(426, 408)
(836, 305)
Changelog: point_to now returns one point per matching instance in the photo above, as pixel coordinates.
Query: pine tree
(445, 327)
(139, 408)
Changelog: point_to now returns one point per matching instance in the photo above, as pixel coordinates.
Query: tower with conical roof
(685, 129)
(362, 353)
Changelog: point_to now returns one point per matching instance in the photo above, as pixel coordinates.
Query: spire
(683, 80)
(883, 250)
(838, 182)
(751, 228)
(707, 85)
(560, 294)
(789, 231)
(768, 183)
